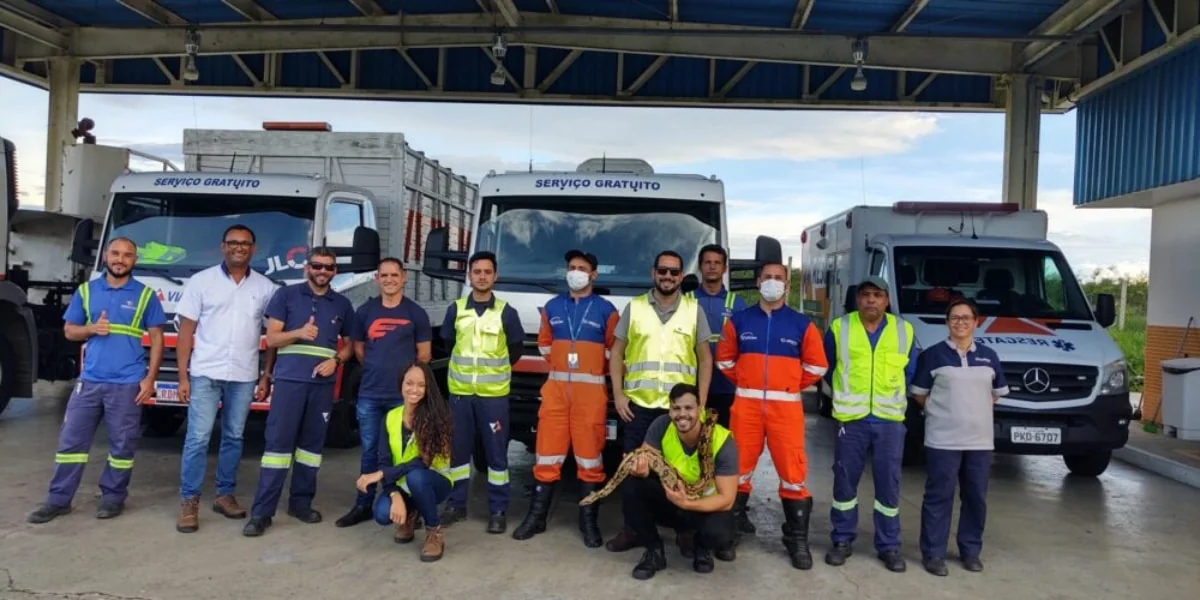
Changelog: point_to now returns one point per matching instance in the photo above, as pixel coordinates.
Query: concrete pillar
(63, 116)
(1022, 134)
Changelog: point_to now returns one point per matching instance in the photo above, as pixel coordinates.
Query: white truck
(1068, 381)
(619, 209)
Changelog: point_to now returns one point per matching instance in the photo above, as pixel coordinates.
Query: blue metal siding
(972, 17)
(1142, 132)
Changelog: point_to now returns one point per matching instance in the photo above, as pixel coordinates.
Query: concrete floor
(1126, 534)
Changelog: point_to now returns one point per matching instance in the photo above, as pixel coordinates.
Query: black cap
(588, 256)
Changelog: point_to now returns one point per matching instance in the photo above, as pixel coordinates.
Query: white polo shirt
(229, 320)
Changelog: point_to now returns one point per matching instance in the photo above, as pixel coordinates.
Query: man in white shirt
(220, 324)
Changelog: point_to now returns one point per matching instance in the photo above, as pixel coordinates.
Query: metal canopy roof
(918, 54)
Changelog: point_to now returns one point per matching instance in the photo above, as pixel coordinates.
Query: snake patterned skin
(666, 473)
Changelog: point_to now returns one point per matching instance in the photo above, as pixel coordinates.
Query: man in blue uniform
(719, 304)
(484, 337)
(111, 314)
(306, 322)
(390, 333)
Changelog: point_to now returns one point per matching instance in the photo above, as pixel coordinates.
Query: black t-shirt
(390, 336)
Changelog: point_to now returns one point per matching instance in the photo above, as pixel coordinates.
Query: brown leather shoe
(228, 506)
(189, 516)
(406, 532)
(624, 540)
(434, 545)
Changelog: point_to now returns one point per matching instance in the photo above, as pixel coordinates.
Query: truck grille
(169, 372)
(1047, 382)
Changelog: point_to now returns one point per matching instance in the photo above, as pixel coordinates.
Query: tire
(343, 419)
(826, 406)
(1088, 465)
(8, 374)
(162, 422)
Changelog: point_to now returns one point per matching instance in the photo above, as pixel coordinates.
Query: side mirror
(851, 299)
(766, 250)
(83, 245)
(438, 257)
(363, 256)
(1106, 310)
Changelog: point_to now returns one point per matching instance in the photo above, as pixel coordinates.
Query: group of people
(669, 355)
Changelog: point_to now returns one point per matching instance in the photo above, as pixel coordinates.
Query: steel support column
(1022, 133)
(63, 116)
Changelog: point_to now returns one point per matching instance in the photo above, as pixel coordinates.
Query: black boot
(795, 531)
(535, 519)
(653, 560)
(741, 520)
(588, 516)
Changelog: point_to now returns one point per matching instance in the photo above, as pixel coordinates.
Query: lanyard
(571, 324)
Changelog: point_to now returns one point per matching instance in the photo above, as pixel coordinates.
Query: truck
(1068, 381)
(619, 209)
(296, 185)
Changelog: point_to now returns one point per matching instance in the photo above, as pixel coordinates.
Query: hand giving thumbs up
(100, 327)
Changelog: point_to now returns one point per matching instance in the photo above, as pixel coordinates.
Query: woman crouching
(414, 449)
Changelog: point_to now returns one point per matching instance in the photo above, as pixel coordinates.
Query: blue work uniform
(301, 400)
(885, 440)
(486, 417)
(719, 308)
(113, 367)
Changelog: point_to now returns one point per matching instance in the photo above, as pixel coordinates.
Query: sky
(783, 170)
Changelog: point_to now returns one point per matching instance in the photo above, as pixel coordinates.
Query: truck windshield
(1004, 282)
(180, 234)
(530, 235)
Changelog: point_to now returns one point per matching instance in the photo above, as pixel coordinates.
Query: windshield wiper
(160, 273)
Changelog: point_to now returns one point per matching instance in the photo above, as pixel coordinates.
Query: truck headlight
(1114, 378)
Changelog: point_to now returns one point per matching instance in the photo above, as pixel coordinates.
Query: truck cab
(1067, 379)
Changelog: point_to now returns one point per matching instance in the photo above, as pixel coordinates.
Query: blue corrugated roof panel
(752, 13)
(196, 11)
(308, 9)
(94, 12)
(856, 16)
(1142, 132)
(976, 17)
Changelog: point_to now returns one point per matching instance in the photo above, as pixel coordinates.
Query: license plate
(166, 393)
(1036, 435)
(612, 429)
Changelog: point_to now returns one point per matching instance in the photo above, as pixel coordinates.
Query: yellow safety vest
(870, 381)
(402, 452)
(659, 355)
(134, 328)
(689, 466)
(479, 364)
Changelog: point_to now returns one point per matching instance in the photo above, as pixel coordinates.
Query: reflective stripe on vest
(870, 381)
(308, 350)
(402, 452)
(479, 364)
(689, 466)
(134, 328)
(659, 355)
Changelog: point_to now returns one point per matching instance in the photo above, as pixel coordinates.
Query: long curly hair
(432, 420)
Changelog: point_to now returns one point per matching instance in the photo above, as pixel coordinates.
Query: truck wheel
(1088, 465)
(162, 422)
(826, 406)
(8, 374)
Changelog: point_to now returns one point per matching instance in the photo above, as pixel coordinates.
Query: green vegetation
(1131, 339)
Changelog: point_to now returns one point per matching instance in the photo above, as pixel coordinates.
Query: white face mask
(577, 280)
(771, 290)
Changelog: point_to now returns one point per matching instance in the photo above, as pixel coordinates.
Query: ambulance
(1068, 381)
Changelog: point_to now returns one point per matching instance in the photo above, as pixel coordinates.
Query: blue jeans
(370, 425)
(429, 489)
(235, 398)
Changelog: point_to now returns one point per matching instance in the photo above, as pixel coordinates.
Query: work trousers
(634, 437)
(487, 418)
(572, 415)
(370, 412)
(296, 425)
(645, 503)
(969, 469)
(426, 490)
(89, 404)
(723, 404)
(885, 440)
(780, 424)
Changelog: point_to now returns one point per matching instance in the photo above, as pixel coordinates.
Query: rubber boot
(795, 532)
(588, 516)
(741, 521)
(535, 520)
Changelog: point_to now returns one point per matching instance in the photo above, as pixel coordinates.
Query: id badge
(573, 360)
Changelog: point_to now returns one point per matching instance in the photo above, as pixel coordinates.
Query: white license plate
(612, 429)
(166, 393)
(1036, 435)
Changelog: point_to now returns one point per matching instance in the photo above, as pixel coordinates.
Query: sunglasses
(668, 271)
(322, 266)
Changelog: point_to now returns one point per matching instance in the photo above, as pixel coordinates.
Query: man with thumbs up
(110, 315)
(306, 322)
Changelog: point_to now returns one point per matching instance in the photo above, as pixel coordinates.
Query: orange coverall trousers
(572, 416)
(780, 424)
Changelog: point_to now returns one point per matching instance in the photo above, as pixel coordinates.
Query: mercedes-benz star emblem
(1036, 380)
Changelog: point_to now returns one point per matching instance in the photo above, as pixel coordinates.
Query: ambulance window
(1055, 292)
(340, 222)
(878, 264)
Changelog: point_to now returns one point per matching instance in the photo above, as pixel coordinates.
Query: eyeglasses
(322, 266)
(961, 319)
(668, 271)
(238, 244)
